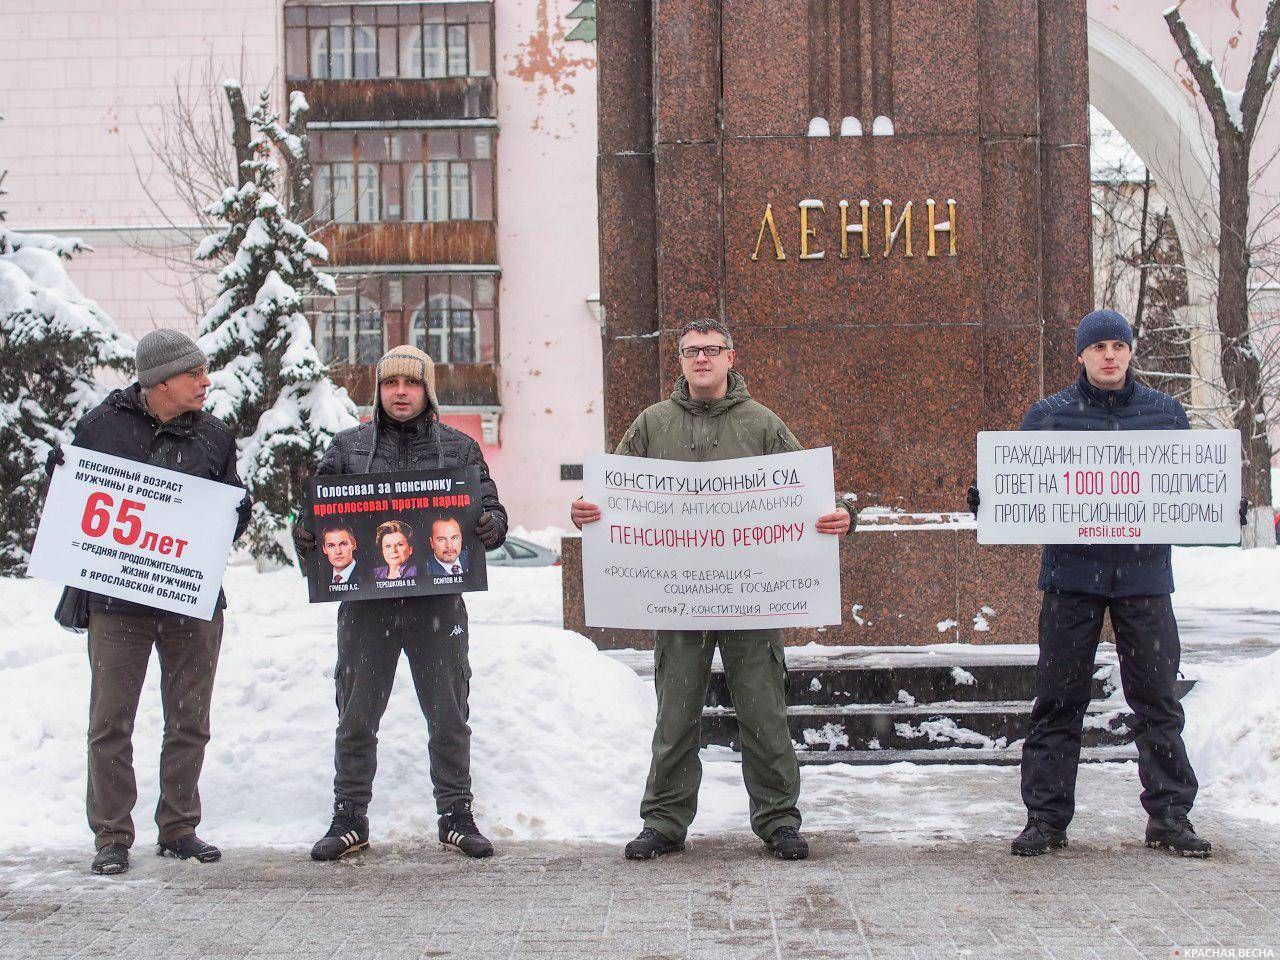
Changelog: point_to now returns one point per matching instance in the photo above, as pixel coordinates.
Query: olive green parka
(682, 428)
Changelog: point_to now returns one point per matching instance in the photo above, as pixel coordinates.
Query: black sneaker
(1038, 838)
(111, 860)
(785, 843)
(650, 843)
(458, 830)
(189, 847)
(348, 833)
(1176, 835)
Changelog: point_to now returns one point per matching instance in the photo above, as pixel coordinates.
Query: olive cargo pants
(755, 667)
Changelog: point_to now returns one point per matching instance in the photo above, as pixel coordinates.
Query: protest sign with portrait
(403, 534)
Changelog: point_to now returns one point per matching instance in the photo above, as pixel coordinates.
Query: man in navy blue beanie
(1082, 582)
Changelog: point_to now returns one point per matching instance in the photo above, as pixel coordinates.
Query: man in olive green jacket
(710, 416)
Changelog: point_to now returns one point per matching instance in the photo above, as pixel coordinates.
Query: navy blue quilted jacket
(1112, 569)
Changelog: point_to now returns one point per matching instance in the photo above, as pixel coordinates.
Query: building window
(425, 175)
(388, 40)
(452, 316)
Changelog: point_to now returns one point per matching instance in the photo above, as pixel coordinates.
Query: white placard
(128, 530)
(728, 545)
(1131, 486)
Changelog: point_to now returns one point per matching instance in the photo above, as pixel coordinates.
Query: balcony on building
(403, 140)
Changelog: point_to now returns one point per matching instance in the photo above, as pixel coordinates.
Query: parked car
(521, 553)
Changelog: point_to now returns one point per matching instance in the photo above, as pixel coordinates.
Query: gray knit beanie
(166, 353)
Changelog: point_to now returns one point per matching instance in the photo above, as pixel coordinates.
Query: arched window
(445, 329)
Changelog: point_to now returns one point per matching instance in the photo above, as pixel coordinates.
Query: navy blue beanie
(1102, 325)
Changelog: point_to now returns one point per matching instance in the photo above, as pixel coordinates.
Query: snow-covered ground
(561, 732)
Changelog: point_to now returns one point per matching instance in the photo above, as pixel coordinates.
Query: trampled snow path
(561, 733)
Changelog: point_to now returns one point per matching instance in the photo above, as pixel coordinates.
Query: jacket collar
(1094, 395)
(712, 408)
(130, 399)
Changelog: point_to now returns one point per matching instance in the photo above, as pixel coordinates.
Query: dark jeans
(432, 631)
(119, 648)
(1147, 645)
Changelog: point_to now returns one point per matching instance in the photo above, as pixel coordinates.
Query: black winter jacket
(198, 444)
(1112, 569)
(384, 445)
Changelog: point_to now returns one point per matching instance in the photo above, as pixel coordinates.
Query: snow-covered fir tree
(52, 340)
(268, 381)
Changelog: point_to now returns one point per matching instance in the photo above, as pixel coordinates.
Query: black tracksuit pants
(1148, 649)
(432, 632)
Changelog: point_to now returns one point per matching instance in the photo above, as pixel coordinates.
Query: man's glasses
(198, 373)
(712, 351)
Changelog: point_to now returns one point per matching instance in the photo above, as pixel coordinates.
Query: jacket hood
(712, 408)
(1095, 395)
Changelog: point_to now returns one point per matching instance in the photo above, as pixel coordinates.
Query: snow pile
(1226, 578)
(560, 740)
(1233, 737)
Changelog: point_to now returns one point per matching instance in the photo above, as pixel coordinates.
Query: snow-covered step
(831, 682)
(1008, 756)
(997, 725)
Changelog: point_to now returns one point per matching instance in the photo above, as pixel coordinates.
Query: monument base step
(1010, 756)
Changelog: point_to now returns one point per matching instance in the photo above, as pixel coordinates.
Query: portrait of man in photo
(395, 542)
(447, 556)
(338, 542)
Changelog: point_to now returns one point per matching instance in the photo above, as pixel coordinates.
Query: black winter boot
(111, 859)
(650, 843)
(1037, 838)
(1176, 835)
(348, 833)
(458, 830)
(785, 843)
(189, 847)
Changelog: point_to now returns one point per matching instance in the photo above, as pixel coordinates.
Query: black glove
(303, 538)
(56, 458)
(973, 499)
(244, 511)
(491, 530)
(1244, 511)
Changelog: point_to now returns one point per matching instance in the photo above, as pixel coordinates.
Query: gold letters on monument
(857, 224)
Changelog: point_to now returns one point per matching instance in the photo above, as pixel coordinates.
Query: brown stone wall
(896, 362)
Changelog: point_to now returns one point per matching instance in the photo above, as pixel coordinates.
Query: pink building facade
(88, 82)
(473, 232)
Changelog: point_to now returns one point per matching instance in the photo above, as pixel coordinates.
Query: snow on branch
(1236, 111)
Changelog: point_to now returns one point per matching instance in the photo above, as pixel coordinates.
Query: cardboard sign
(406, 534)
(1114, 486)
(728, 545)
(135, 532)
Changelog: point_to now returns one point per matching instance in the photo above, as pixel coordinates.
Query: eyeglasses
(198, 373)
(712, 351)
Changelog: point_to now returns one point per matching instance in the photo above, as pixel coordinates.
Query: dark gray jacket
(197, 444)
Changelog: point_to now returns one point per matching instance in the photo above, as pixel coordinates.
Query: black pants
(1147, 646)
(432, 631)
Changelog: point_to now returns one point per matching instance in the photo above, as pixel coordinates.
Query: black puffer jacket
(385, 445)
(197, 444)
(1111, 569)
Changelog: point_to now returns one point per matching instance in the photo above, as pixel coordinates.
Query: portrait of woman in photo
(395, 541)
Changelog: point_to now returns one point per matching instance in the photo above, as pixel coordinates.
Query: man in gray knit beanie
(160, 421)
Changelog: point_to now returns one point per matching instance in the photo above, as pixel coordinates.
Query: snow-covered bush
(52, 340)
(269, 383)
